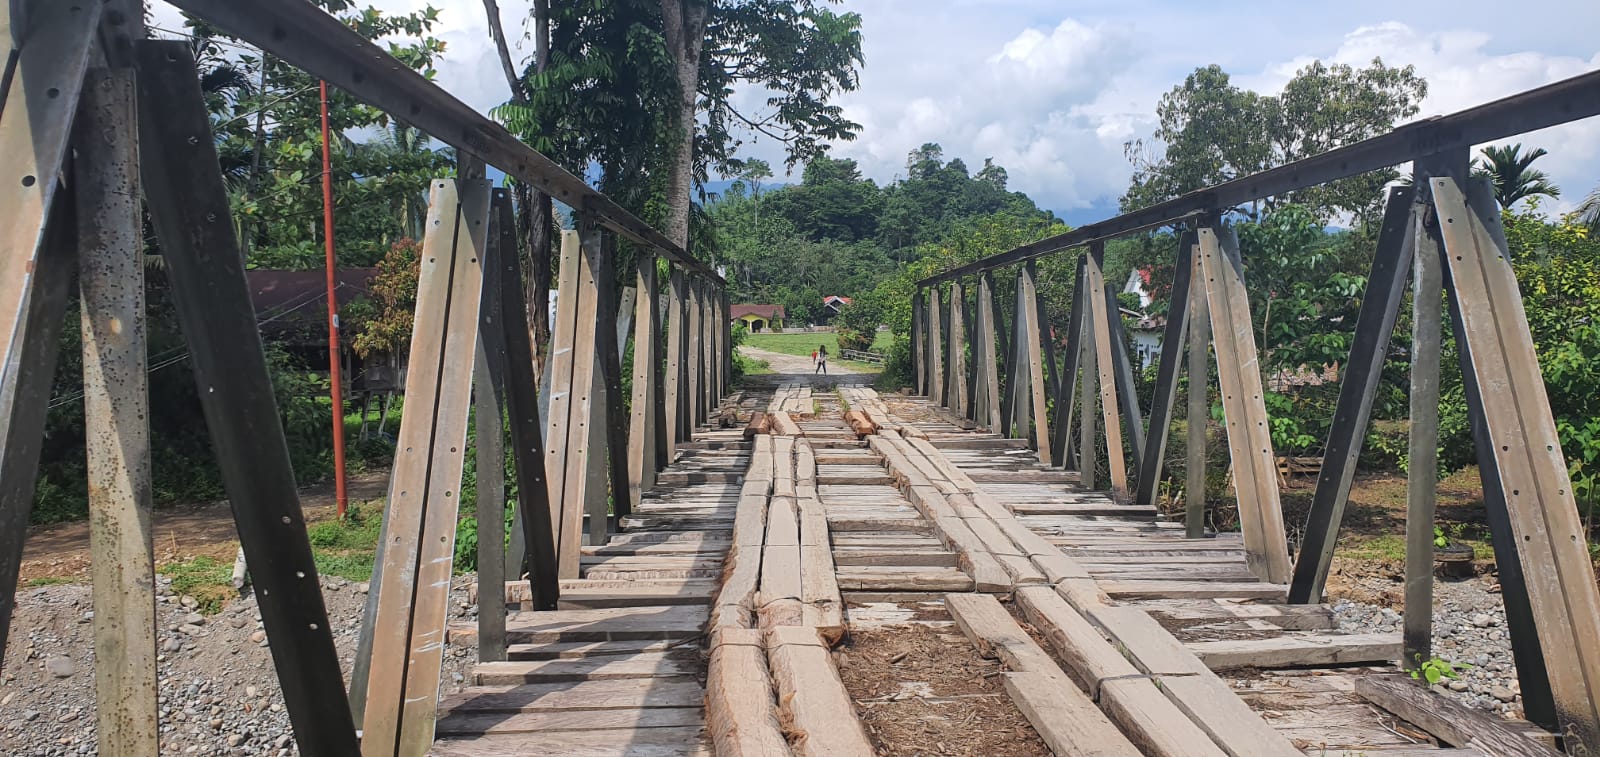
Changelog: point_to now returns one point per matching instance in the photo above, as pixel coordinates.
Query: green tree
(1212, 131)
(1512, 174)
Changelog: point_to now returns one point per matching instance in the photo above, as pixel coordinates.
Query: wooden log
(1087, 655)
(1448, 720)
(740, 710)
(814, 708)
(759, 424)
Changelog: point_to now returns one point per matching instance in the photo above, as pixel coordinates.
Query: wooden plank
(116, 410)
(986, 388)
(652, 665)
(1070, 725)
(1038, 330)
(615, 624)
(1218, 710)
(1088, 380)
(585, 696)
(1249, 438)
(1152, 721)
(1448, 720)
(644, 458)
(564, 517)
(813, 704)
(550, 721)
(1088, 656)
(1122, 589)
(677, 368)
(935, 348)
(648, 742)
(428, 610)
(1298, 651)
(1094, 286)
(956, 393)
(1198, 405)
(740, 710)
(1528, 471)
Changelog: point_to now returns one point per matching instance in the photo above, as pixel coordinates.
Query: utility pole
(333, 313)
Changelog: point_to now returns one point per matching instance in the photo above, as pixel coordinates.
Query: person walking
(821, 356)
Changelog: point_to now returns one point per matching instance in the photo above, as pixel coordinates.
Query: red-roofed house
(757, 317)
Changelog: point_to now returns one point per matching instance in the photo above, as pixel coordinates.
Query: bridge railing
(1442, 237)
(862, 356)
(83, 81)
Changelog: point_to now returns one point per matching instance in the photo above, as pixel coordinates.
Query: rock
(171, 645)
(1482, 620)
(1502, 693)
(30, 716)
(60, 667)
(191, 629)
(258, 636)
(195, 619)
(1458, 685)
(189, 602)
(362, 588)
(250, 691)
(237, 621)
(235, 739)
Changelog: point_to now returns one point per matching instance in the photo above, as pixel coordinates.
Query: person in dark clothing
(822, 359)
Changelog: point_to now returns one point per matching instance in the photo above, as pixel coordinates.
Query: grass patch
(49, 581)
(207, 579)
(794, 344)
(354, 565)
(1392, 548)
(750, 366)
(347, 548)
(882, 341)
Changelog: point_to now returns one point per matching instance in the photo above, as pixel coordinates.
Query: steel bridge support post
(1172, 342)
(1380, 307)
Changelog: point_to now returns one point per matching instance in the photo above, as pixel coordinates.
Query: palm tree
(1512, 176)
(1589, 211)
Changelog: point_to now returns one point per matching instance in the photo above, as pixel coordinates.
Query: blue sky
(1053, 90)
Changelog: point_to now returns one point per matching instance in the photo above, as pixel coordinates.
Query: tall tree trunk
(684, 25)
(534, 211)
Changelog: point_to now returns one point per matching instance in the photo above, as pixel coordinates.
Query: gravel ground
(219, 691)
(1469, 620)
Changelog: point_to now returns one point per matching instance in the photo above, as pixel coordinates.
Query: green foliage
(1436, 669)
(386, 329)
(1212, 131)
(1511, 174)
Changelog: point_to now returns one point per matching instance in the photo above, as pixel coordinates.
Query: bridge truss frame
(93, 117)
(1441, 236)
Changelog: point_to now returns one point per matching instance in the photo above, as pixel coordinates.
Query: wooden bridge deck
(1101, 627)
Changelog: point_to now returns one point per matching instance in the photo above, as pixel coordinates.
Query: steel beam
(1380, 307)
(1154, 452)
(188, 206)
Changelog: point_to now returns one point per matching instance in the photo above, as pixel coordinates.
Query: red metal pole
(333, 314)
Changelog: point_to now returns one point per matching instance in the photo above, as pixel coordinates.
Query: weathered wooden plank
(110, 238)
(1450, 721)
(1088, 656)
(1218, 710)
(648, 742)
(1152, 721)
(1298, 651)
(1521, 460)
(1249, 438)
(651, 665)
(623, 694)
(466, 723)
(1094, 287)
(1070, 725)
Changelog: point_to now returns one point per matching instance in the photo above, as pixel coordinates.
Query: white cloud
(1054, 96)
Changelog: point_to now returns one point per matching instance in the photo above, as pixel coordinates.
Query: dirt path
(61, 550)
(794, 366)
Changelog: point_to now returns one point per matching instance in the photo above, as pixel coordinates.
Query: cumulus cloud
(1053, 96)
